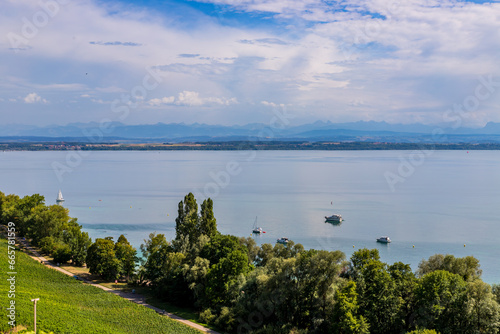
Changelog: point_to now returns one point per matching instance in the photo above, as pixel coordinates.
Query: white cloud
(272, 104)
(191, 99)
(60, 87)
(284, 8)
(164, 100)
(34, 98)
(188, 98)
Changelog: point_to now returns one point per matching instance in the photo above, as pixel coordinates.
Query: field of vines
(69, 306)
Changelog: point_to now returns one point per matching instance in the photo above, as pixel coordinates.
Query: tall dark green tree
(186, 223)
(208, 223)
(405, 284)
(189, 225)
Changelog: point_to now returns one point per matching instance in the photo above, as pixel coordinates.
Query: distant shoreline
(243, 145)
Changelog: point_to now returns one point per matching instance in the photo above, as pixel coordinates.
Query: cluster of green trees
(245, 288)
(48, 226)
(112, 260)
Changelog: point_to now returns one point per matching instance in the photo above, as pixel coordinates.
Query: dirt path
(133, 297)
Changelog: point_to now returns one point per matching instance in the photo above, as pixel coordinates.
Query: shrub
(206, 316)
(62, 253)
(47, 245)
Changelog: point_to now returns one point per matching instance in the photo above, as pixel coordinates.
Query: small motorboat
(335, 219)
(384, 240)
(283, 241)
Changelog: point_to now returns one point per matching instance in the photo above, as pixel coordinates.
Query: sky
(246, 61)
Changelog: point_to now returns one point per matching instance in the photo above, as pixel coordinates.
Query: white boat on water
(60, 197)
(283, 241)
(333, 219)
(384, 240)
(256, 230)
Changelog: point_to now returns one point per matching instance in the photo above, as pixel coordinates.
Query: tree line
(55, 233)
(49, 227)
(333, 145)
(241, 287)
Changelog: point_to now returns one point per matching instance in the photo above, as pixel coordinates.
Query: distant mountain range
(318, 131)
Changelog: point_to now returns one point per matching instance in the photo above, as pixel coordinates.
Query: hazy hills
(318, 131)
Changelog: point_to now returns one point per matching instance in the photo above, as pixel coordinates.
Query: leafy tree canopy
(467, 267)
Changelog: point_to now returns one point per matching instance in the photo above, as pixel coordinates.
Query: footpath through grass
(67, 305)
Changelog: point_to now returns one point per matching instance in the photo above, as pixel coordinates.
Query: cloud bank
(398, 61)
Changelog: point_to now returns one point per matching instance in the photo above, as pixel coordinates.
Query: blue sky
(244, 61)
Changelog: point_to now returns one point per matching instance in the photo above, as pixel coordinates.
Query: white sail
(60, 197)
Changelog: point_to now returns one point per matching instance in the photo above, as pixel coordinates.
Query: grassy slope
(69, 306)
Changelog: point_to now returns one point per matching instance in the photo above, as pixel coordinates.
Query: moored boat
(60, 197)
(282, 240)
(335, 218)
(256, 229)
(384, 240)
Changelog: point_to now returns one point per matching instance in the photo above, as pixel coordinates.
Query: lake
(428, 202)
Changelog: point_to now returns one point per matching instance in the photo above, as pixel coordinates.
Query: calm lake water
(436, 201)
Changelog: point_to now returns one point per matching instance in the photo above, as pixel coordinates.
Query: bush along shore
(241, 287)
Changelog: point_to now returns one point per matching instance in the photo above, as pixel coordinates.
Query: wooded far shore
(242, 145)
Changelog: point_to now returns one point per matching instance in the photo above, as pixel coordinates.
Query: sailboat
(60, 197)
(256, 230)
